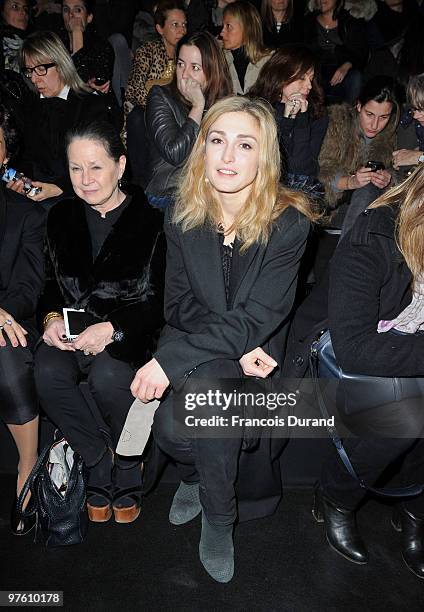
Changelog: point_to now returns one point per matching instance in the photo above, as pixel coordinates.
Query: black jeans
(213, 463)
(57, 376)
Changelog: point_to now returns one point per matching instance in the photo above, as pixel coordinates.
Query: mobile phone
(375, 165)
(75, 322)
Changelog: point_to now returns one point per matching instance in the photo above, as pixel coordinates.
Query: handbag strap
(408, 491)
(29, 484)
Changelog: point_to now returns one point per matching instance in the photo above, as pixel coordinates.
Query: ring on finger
(1, 327)
(8, 322)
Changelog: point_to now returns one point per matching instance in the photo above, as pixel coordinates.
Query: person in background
(410, 134)
(289, 82)
(174, 112)
(21, 282)
(339, 42)
(61, 101)
(155, 60)
(93, 56)
(355, 136)
(281, 24)
(14, 23)
(244, 49)
(234, 242)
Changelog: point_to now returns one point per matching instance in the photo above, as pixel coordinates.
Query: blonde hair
(197, 203)
(415, 91)
(250, 20)
(409, 196)
(42, 46)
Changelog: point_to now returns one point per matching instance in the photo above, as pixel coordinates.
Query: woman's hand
(95, 338)
(104, 89)
(361, 178)
(257, 363)
(381, 178)
(11, 328)
(55, 335)
(405, 157)
(340, 74)
(193, 93)
(150, 382)
(294, 104)
(48, 190)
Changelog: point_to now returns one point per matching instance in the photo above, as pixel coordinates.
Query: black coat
(21, 259)
(45, 123)
(300, 141)
(369, 282)
(171, 135)
(124, 285)
(201, 326)
(352, 33)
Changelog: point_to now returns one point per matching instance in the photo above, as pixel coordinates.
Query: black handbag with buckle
(359, 393)
(58, 496)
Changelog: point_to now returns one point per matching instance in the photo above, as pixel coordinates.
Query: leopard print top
(149, 63)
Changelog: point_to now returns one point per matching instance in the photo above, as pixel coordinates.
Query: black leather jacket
(171, 134)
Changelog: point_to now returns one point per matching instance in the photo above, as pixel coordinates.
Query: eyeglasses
(40, 70)
(14, 6)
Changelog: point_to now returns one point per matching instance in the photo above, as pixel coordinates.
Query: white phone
(75, 322)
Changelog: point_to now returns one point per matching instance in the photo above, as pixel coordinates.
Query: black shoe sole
(411, 570)
(339, 552)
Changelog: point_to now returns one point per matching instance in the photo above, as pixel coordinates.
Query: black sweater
(300, 141)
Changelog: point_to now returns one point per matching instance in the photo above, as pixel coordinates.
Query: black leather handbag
(58, 496)
(357, 394)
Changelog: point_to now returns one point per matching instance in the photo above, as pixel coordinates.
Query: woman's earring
(206, 179)
(120, 183)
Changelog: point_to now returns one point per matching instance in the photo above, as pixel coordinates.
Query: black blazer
(124, 285)
(22, 228)
(201, 327)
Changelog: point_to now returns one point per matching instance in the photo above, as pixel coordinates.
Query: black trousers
(57, 376)
(372, 453)
(213, 463)
(18, 397)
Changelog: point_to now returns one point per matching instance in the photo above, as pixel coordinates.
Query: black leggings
(58, 374)
(18, 398)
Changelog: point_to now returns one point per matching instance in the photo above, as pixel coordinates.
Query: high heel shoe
(123, 512)
(99, 504)
(340, 528)
(21, 523)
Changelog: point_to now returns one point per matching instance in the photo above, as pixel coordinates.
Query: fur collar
(360, 9)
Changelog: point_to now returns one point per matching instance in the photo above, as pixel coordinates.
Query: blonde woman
(242, 38)
(376, 285)
(235, 239)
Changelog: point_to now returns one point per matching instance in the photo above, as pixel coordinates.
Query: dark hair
(2, 3)
(89, 5)
(286, 65)
(10, 131)
(214, 64)
(164, 7)
(380, 89)
(268, 16)
(99, 131)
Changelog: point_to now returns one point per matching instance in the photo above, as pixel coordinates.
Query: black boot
(340, 528)
(412, 542)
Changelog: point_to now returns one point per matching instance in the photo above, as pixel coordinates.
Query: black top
(100, 227)
(95, 58)
(241, 62)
